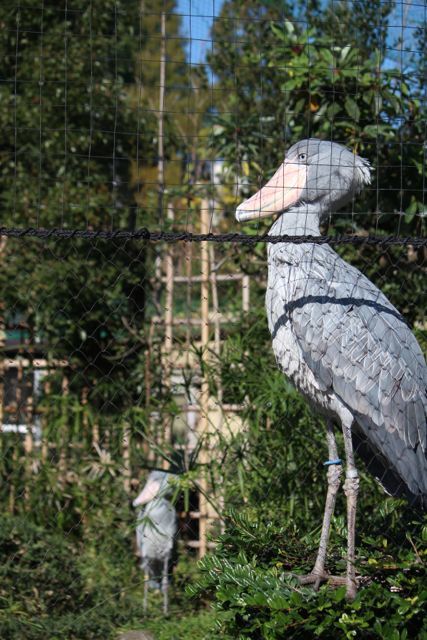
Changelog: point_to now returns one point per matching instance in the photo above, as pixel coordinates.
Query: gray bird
(338, 338)
(156, 533)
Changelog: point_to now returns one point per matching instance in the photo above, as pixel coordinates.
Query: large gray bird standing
(339, 339)
(156, 533)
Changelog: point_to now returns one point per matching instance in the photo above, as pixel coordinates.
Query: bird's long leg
(165, 585)
(145, 601)
(351, 488)
(334, 473)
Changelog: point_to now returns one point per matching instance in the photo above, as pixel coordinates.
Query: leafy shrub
(256, 596)
(54, 586)
(57, 586)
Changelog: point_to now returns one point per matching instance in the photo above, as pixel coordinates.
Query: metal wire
(185, 236)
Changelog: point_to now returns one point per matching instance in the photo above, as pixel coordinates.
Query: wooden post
(160, 144)
(3, 241)
(85, 421)
(215, 301)
(95, 434)
(204, 392)
(189, 276)
(126, 457)
(28, 446)
(2, 367)
(166, 431)
(245, 293)
(44, 430)
(62, 465)
(12, 490)
(217, 334)
(166, 436)
(148, 451)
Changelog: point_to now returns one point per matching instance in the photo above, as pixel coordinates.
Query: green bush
(54, 586)
(256, 596)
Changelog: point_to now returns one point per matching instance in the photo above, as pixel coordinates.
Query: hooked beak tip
(242, 215)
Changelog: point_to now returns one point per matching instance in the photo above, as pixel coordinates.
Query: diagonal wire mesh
(133, 329)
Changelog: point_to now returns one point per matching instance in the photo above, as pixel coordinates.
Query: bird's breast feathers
(336, 335)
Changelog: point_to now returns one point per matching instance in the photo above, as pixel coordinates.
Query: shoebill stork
(338, 338)
(156, 533)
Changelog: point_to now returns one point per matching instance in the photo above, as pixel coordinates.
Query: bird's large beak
(148, 493)
(281, 192)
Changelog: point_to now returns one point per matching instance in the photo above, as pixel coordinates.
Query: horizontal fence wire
(185, 236)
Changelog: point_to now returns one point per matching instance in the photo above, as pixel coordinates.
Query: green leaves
(352, 108)
(329, 80)
(253, 598)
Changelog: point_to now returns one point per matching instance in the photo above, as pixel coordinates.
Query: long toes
(317, 584)
(313, 578)
(351, 591)
(316, 579)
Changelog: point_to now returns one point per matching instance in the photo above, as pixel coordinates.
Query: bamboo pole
(28, 446)
(126, 457)
(166, 432)
(95, 434)
(215, 302)
(204, 392)
(169, 271)
(44, 430)
(245, 293)
(12, 490)
(217, 334)
(148, 451)
(3, 242)
(85, 420)
(62, 465)
(166, 436)
(160, 144)
(188, 278)
(2, 367)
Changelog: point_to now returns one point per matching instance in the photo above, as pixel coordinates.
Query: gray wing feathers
(357, 343)
(156, 530)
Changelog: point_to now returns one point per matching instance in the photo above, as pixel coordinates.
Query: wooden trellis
(210, 319)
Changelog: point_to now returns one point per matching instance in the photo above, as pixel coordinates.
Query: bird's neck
(298, 221)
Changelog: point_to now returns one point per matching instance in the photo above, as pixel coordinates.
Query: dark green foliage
(55, 586)
(287, 75)
(71, 132)
(256, 597)
(79, 84)
(66, 114)
(81, 301)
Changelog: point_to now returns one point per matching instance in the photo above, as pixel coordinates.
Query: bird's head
(157, 486)
(316, 173)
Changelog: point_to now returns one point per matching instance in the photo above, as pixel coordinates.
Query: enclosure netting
(132, 329)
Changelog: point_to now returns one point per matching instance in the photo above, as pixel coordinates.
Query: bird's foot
(351, 589)
(317, 578)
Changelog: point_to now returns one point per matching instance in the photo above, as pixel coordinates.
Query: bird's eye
(302, 156)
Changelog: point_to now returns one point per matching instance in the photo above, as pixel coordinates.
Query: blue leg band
(329, 462)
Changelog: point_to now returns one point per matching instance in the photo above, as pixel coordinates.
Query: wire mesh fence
(133, 326)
